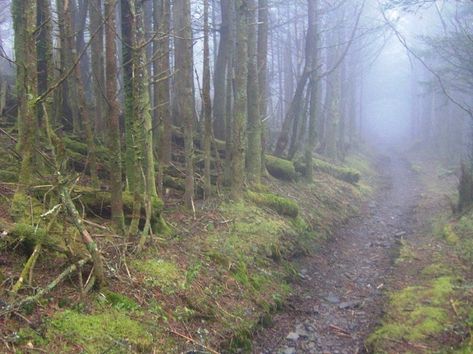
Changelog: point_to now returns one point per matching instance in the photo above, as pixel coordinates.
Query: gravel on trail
(339, 299)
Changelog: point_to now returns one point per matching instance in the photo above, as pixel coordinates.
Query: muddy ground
(339, 299)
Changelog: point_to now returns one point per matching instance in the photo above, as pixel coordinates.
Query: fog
(387, 99)
(417, 90)
(396, 71)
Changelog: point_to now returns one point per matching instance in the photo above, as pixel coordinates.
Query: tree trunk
(133, 155)
(241, 109)
(112, 115)
(299, 133)
(206, 103)
(162, 72)
(221, 68)
(98, 64)
(229, 106)
(263, 30)
(312, 51)
(253, 156)
(184, 87)
(229, 95)
(24, 24)
(67, 50)
(79, 21)
(293, 111)
(142, 110)
(76, 86)
(45, 55)
(343, 100)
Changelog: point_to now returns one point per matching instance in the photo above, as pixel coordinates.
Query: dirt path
(340, 297)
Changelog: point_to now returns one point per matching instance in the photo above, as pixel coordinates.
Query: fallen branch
(404, 342)
(340, 331)
(30, 264)
(98, 226)
(454, 307)
(79, 224)
(30, 299)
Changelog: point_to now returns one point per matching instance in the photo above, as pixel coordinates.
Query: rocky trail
(339, 299)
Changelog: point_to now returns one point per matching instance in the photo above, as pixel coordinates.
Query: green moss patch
(118, 301)
(415, 314)
(460, 235)
(406, 253)
(280, 168)
(249, 257)
(253, 233)
(160, 273)
(346, 174)
(437, 269)
(76, 147)
(26, 208)
(360, 163)
(450, 235)
(27, 335)
(99, 202)
(282, 206)
(342, 173)
(111, 331)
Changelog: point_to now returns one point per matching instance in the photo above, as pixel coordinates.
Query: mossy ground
(108, 331)
(416, 313)
(282, 206)
(216, 278)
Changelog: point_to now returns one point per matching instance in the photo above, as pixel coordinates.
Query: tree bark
(98, 63)
(79, 13)
(221, 69)
(24, 24)
(133, 157)
(162, 96)
(263, 30)
(253, 156)
(184, 87)
(206, 104)
(293, 111)
(127, 64)
(312, 51)
(67, 50)
(241, 109)
(229, 94)
(76, 86)
(113, 110)
(45, 65)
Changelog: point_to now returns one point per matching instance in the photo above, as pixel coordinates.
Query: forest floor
(384, 283)
(207, 287)
(331, 267)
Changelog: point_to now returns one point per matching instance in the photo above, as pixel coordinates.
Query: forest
(236, 176)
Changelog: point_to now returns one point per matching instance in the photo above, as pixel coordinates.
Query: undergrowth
(218, 278)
